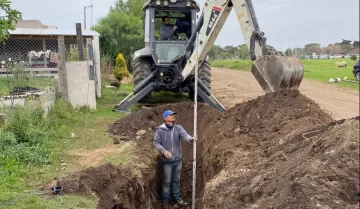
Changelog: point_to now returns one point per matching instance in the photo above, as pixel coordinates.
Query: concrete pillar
(96, 47)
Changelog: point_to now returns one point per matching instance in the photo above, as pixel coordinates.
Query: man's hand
(191, 139)
(175, 27)
(167, 154)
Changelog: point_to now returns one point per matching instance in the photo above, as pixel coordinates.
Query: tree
(334, 49)
(346, 45)
(298, 52)
(243, 52)
(288, 52)
(8, 21)
(312, 48)
(120, 32)
(355, 50)
(230, 50)
(122, 29)
(131, 7)
(215, 52)
(356, 44)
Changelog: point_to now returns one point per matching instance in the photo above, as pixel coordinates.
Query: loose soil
(280, 150)
(232, 87)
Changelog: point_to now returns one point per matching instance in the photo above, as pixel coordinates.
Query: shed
(32, 42)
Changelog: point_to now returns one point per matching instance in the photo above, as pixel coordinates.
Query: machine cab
(168, 26)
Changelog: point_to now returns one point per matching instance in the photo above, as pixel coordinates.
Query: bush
(120, 70)
(353, 57)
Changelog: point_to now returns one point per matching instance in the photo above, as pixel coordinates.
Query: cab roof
(170, 5)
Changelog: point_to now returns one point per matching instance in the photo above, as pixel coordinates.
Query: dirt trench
(277, 151)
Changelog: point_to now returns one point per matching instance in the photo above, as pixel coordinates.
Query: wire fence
(30, 63)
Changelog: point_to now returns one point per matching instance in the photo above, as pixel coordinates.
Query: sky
(286, 23)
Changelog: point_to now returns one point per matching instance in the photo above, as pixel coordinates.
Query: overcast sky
(286, 23)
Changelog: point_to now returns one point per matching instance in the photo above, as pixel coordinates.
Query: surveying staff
(167, 142)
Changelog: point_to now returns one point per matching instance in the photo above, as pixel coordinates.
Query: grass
(317, 70)
(323, 70)
(233, 64)
(33, 147)
(50, 142)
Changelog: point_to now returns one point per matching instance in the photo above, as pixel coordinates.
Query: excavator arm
(272, 70)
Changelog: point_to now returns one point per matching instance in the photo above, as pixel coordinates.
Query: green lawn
(317, 70)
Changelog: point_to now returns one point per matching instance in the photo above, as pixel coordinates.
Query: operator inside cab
(170, 31)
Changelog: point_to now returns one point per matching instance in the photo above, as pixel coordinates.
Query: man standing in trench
(167, 142)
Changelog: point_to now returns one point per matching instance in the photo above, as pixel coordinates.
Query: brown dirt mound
(259, 154)
(277, 159)
(116, 186)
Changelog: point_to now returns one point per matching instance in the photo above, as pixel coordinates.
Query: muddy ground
(280, 150)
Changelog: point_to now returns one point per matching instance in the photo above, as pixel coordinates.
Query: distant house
(35, 44)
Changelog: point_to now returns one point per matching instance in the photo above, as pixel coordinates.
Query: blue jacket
(169, 140)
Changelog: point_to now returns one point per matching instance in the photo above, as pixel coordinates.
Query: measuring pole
(195, 123)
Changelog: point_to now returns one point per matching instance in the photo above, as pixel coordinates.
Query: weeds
(22, 137)
(107, 68)
(34, 147)
(27, 131)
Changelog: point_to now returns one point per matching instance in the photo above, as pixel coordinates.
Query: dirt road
(232, 87)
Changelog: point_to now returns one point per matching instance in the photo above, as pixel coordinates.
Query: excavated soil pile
(277, 151)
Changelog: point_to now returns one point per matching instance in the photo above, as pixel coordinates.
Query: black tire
(205, 76)
(141, 69)
(357, 76)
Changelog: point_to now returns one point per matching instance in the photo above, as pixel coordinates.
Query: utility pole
(91, 6)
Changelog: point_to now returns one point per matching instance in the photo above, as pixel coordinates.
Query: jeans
(172, 173)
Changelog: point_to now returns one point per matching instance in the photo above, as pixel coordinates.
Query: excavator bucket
(275, 72)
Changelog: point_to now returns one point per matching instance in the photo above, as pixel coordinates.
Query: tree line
(122, 29)
(122, 32)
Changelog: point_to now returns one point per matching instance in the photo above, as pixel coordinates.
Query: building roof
(51, 32)
(33, 24)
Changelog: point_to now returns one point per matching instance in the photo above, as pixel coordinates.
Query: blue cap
(168, 112)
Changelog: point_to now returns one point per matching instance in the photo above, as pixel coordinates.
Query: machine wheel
(205, 76)
(141, 69)
(357, 76)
